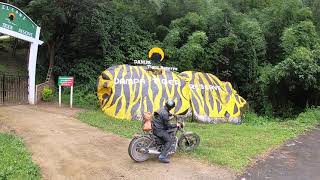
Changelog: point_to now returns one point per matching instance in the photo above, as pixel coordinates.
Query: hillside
(17, 65)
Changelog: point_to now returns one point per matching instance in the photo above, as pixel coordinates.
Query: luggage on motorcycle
(147, 118)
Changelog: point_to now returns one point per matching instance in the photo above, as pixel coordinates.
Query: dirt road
(66, 148)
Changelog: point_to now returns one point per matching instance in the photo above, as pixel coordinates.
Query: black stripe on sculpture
(218, 106)
(149, 105)
(117, 87)
(195, 103)
(203, 91)
(119, 105)
(235, 109)
(211, 101)
(126, 87)
(136, 85)
(229, 90)
(104, 76)
(135, 108)
(155, 89)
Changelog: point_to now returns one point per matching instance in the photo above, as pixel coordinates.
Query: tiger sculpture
(212, 100)
(126, 92)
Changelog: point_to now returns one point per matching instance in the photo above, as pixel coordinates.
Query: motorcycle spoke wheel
(189, 142)
(138, 149)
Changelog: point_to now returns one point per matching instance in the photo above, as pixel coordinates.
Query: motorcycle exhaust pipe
(152, 151)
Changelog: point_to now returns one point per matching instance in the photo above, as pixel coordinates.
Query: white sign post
(59, 96)
(66, 81)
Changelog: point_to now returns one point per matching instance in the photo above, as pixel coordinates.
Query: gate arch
(14, 22)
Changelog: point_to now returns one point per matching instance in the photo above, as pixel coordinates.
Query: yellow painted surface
(126, 92)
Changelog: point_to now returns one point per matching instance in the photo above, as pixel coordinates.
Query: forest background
(268, 49)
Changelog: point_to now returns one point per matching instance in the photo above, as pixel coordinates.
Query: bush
(81, 98)
(86, 100)
(47, 94)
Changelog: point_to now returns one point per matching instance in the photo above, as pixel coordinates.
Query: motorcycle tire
(188, 142)
(138, 148)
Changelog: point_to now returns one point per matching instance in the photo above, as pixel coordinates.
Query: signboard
(16, 23)
(156, 60)
(65, 81)
(13, 19)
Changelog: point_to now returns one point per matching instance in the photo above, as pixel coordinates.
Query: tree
(192, 54)
(303, 34)
(274, 19)
(53, 19)
(298, 76)
(316, 12)
(101, 40)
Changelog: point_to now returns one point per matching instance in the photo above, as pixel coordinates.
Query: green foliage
(161, 32)
(295, 79)
(259, 45)
(198, 37)
(16, 162)
(187, 25)
(86, 100)
(124, 128)
(300, 35)
(315, 7)
(47, 94)
(298, 69)
(81, 98)
(3, 68)
(189, 54)
(305, 14)
(233, 146)
(173, 38)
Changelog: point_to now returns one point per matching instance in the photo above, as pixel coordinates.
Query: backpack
(147, 118)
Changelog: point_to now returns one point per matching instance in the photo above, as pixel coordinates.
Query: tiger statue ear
(156, 54)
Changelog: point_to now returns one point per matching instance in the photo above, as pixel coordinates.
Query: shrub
(47, 94)
(86, 100)
(81, 98)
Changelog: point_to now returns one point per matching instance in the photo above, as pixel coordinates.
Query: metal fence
(13, 89)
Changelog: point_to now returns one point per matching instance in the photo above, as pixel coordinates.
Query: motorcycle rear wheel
(138, 148)
(188, 142)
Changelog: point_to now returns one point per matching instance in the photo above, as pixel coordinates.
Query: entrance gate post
(32, 68)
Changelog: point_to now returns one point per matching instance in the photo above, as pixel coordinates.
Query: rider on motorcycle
(160, 125)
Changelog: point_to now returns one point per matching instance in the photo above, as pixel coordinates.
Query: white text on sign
(7, 26)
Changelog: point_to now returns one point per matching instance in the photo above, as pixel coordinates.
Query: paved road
(298, 159)
(66, 148)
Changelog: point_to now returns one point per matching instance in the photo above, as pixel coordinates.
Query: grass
(124, 128)
(80, 99)
(15, 160)
(232, 146)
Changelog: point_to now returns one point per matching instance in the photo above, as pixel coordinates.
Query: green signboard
(65, 81)
(14, 19)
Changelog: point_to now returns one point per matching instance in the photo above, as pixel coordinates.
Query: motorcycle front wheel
(188, 142)
(138, 148)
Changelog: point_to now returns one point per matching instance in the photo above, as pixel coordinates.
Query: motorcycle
(143, 145)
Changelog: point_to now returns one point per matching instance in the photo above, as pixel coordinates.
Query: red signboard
(65, 81)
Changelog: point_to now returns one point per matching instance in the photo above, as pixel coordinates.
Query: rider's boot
(164, 159)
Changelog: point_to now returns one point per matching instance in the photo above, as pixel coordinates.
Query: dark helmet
(170, 104)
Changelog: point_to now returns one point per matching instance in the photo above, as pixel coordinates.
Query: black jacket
(161, 120)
